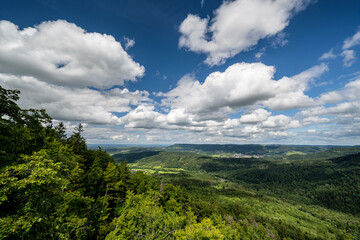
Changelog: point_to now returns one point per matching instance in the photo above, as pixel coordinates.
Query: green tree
(22, 131)
(204, 230)
(38, 200)
(143, 217)
(77, 142)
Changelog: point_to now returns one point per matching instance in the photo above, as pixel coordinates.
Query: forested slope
(312, 197)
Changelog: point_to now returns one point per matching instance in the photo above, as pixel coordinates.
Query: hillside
(236, 150)
(314, 188)
(246, 149)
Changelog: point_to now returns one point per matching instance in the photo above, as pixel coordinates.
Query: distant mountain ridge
(248, 149)
(291, 152)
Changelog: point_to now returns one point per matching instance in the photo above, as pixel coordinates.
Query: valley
(311, 191)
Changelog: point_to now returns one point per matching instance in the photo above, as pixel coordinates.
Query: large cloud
(344, 107)
(259, 115)
(241, 85)
(237, 26)
(243, 88)
(73, 104)
(54, 63)
(292, 90)
(62, 53)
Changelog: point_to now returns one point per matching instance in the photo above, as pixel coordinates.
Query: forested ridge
(53, 187)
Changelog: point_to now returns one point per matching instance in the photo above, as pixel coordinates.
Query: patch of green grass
(294, 153)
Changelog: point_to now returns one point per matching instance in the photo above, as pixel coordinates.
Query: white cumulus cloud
(292, 90)
(344, 108)
(245, 89)
(62, 53)
(73, 104)
(259, 115)
(281, 121)
(237, 26)
(241, 85)
(57, 66)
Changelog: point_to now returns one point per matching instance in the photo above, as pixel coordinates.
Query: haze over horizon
(164, 72)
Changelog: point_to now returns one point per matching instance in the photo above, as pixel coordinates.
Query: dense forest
(53, 187)
(302, 193)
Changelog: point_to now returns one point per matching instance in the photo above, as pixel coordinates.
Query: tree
(142, 217)
(22, 131)
(39, 201)
(77, 142)
(8, 107)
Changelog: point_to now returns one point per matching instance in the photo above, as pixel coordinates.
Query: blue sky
(162, 72)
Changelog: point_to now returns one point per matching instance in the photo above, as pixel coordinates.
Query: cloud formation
(237, 26)
(74, 104)
(343, 111)
(248, 89)
(129, 43)
(347, 53)
(328, 55)
(291, 94)
(259, 115)
(238, 104)
(352, 41)
(241, 85)
(59, 52)
(54, 64)
(349, 57)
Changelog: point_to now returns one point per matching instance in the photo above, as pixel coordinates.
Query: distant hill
(134, 156)
(248, 149)
(329, 179)
(285, 152)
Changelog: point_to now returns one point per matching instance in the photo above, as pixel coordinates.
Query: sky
(206, 71)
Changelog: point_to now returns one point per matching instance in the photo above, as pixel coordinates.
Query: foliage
(143, 217)
(241, 187)
(38, 200)
(22, 131)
